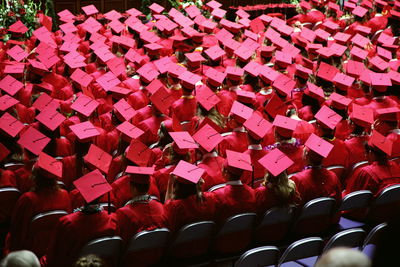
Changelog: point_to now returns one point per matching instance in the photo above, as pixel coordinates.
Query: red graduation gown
(73, 232)
(184, 109)
(355, 147)
(338, 155)
(374, 177)
(237, 141)
(213, 166)
(29, 205)
(267, 199)
(315, 183)
(150, 127)
(234, 199)
(139, 216)
(180, 212)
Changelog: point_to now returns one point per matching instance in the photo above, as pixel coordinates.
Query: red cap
(50, 118)
(342, 38)
(354, 68)
(328, 117)
(10, 85)
(388, 114)
(90, 10)
(162, 99)
(192, 11)
(206, 97)
(319, 145)
(253, 68)
(214, 4)
(379, 141)
(321, 35)
(362, 116)
(117, 65)
(236, 160)
(276, 162)
(358, 53)
(378, 63)
(268, 74)
(338, 50)
(207, 137)
(183, 140)
(92, 186)
(18, 27)
(98, 158)
(394, 76)
(81, 77)
(234, 73)
(52, 167)
(244, 53)
(383, 53)
(215, 77)
(156, 8)
(85, 105)
(189, 79)
(4, 152)
(108, 81)
(245, 96)
(302, 71)
(363, 30)
(342, 81)
(339, 101)
(327, 72)
(257, 126)
(314, 91)
(17, 53)
(11, 125)
(194, 58)
(124, 110)
(284, 85)
(275, 106)
(129, 131)
(380, 81)
(241, 112)
(283, 59)
(385, 39)
(148, 72)
(188, 173)
(139, 175)
(284, 125)
(360, 11)
(7, 102)
(33, 140)
(139, 153)
(218, 13)
(84, 130)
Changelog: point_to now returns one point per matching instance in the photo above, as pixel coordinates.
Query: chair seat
(345, 224)
(309, 262)
(369, 250)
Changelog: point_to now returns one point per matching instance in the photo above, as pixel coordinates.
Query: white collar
(238, 182)
(255, 147)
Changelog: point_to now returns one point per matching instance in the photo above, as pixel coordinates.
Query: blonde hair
(282, 186)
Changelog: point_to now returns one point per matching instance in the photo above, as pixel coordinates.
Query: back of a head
(21, 258)
(343, 257)
(90, 261)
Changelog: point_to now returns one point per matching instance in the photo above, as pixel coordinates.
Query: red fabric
(184, 109)
(356, 149)
(213, 168)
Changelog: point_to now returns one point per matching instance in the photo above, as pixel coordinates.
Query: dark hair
(380, 156)
(141, 188)
(41, 182)
(90, 260)
(182, 190)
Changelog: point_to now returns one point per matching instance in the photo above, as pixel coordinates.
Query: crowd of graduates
(114, 111)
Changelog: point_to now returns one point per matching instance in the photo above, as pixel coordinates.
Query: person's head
(343, 257)
(312, 158)
(90, 261)
(139, 188)
(42, 181)
(183, 190)
(282, 186)
(20, 258)
(375, 154)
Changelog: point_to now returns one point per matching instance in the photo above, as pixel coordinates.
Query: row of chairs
(305, 252)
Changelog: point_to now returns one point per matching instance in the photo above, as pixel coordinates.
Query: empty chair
(274, 225)
(192, 240)
(42, 229)
(146, 248)
(8, 198)
(261, 256)
(107, 248)
(351, 238)
(339, 170)
(383, 206)
(301, 249)
(216, 187)
(235, 235)
(354, 207)
(372, 240)
(315, 217)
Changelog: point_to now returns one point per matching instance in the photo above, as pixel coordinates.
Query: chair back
(107, 248)
(351, 238)
(274, 225)
(316, 216)
(216, 187)
(8, 198)
(355, 205)
(304, 248)
(42, 229)
(146, 248)
(261, 256)
(339, 170)
(375, 234)
(236, 234)
(383, 206)
(192, 240)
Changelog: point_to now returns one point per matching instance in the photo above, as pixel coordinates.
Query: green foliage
(13, 10)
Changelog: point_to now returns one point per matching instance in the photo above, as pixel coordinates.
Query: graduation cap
(92, 186)
(139, 174)
(188, 173)
(362, 116)
(207, 137)
(318, 145)
(237, 162)
(327, 117)
(381, 142)
(284, 125)
(98, 158)
(33, 140)
(257, 126)
(11, 125)
(276, 162)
